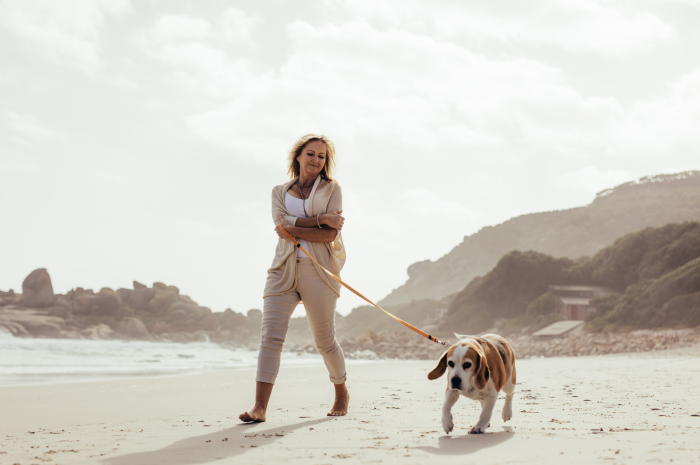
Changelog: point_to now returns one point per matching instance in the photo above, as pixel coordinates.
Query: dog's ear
(439, 370)
(481, 376)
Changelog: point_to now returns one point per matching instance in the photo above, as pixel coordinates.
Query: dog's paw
(478, 430)
(447, 423)
(507, 413)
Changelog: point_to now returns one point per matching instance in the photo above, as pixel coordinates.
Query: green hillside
(656, 271)
(650, 202)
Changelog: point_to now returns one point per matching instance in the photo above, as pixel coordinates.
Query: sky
(141, 140)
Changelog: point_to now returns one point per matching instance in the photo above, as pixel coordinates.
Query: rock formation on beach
(37, 290)
(157, 313)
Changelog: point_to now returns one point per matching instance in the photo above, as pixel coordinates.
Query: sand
(615, 409)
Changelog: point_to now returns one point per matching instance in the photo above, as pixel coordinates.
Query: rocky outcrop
(37, 290)
(99, 332)
(133, 328)
(14, 328)
(405, 346)
(106, 302)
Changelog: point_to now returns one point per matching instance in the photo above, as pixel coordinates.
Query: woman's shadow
(469, 443)
(232, 441)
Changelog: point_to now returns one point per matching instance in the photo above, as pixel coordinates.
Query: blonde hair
(328, 168)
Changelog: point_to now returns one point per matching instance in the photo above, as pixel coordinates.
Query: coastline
(625, 408)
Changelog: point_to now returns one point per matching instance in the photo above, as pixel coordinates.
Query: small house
(573, 302)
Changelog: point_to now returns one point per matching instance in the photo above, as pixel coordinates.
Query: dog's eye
(451, 364)
(467, 365)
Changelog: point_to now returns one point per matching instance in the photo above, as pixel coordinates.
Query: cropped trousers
(319, 301)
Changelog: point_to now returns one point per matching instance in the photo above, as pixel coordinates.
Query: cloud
(574, 25)
(199, 52)
(411, 90)
(29, 126)
(668, 123)
(592, 180)
(66, 31)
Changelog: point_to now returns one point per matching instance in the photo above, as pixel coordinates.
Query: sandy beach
(617, 409)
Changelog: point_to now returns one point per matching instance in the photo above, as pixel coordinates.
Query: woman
(309, 207)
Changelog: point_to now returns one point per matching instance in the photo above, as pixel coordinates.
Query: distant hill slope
(655, 270)
(652, 201)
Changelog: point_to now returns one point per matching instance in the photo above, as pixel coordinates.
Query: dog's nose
(456, 382)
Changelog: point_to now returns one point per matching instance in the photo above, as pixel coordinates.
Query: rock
(161, 301)
(201, 336)
(254, 318)
(71, 334)
(133, 328)
(159, 327)
(138, 285)
(14, 328)
(140, 298)
(160, 286)
(98, 332)
(124, 294)
(106, 302)
(183, 308)
(37, 290)
(186, 299)
(82, 302)
(42, 329)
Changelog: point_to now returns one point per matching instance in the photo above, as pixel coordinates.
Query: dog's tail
(463, 336)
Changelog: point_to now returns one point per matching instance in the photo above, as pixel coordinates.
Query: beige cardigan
(281, 277)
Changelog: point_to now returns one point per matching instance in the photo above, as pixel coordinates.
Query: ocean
(36, 361)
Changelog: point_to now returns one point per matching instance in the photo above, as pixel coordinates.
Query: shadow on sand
(469, 443)
(197, 450)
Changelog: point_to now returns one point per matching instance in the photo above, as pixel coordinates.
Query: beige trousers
(319, 301)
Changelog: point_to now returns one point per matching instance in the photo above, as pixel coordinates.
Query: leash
(408, 325)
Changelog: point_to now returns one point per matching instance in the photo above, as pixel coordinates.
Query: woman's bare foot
(342, 399)
(262, 397)
(256, 415)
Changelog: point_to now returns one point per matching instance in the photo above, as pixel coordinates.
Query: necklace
(303, 200)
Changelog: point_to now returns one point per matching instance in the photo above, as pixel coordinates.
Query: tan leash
(408, 325)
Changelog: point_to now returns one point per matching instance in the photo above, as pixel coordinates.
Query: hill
(650, 202)
(656, 271)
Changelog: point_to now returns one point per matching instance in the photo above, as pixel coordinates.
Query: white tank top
(296, 208)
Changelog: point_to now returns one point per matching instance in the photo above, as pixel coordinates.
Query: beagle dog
(478, 368)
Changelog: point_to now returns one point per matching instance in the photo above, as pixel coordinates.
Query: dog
(478, 367)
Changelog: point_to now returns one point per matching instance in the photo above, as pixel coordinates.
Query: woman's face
(312, 158)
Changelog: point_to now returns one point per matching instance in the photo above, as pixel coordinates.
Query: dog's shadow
(469, 443)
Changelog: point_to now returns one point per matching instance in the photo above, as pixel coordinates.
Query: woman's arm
(310, 234)
(333, 219)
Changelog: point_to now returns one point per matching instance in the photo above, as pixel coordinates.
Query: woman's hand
(285, 224)
(334, 219)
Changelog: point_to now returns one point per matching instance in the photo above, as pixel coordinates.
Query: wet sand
(615, 409)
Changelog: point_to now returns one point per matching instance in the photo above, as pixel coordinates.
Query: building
(573, 302)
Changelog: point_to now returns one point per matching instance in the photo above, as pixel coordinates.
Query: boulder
(138, 285)
(162, 301)
(159, 327)
(14, 328)
(133, 328)
(71, 334)
(139, 298)
(124, 294)
(106, 302)
(82, 303)
(186, 299)
(98, 332)
(254, 320)
(42, 329)
(37, 290)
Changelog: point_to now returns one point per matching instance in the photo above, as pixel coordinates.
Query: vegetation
(650, 202)
(656, 271)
